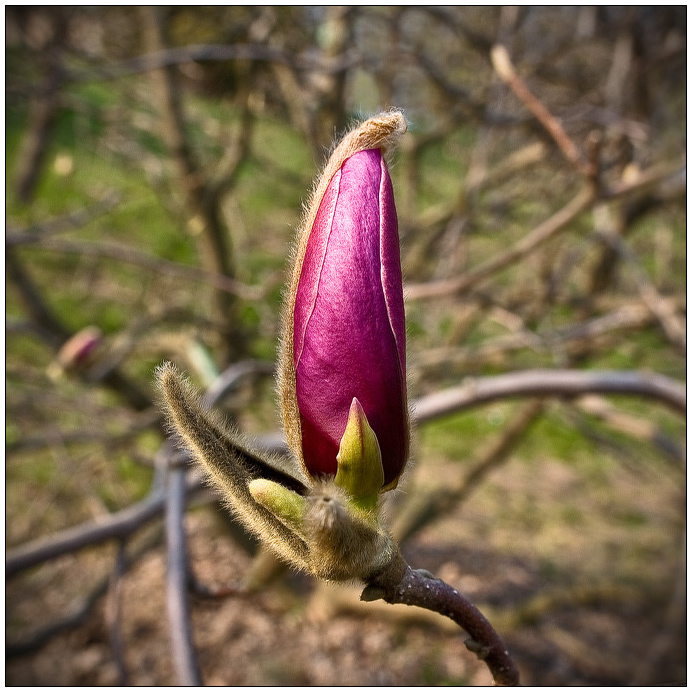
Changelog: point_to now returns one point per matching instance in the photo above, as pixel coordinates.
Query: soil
(568, 622)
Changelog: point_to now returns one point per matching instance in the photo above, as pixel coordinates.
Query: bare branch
(75, 219)
(660, 307)
(635, 426)
(545, 382)
(401, 584)
(114, 614)
(218, 52)
(184, 657)
(117, 525)
(56, 333)
(77, 616)
(123, 253)
(421, 512)
(528, 244)
(504, 68)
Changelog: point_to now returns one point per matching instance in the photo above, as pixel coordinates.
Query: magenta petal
(349, 333)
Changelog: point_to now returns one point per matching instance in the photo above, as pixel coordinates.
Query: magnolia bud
(344, 323)
(78, 349)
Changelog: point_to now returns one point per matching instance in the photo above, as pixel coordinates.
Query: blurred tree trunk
(337, 36)
(43, 110)
(202, 199)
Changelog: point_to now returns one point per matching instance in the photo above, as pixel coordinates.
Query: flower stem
(399, 583)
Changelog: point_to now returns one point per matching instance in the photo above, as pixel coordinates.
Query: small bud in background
(344, 332)
(78, 352)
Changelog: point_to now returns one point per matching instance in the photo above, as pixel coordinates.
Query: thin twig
(56, 333)
(570, 338)
(505, 70)
(130, 255)
(422, 511)
(169, 57)
(119, 525)
(78, 615)
(528, 244)
(542, 233)
(661, 308)
(75, 219)
(635, 426)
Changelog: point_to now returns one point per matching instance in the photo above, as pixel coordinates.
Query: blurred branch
(203, 199)
(36, 306)
(661, 308)
(75, 219)
(545, 231)
(169, 57)
(56, 333)
(114, 614)
(118, 525)
(639, 428)
(130, 255)
(424, 509)
(125, 522)
(528, 244)
(79, 614)
(504, 68)
(144, 421)
(570, 339)
(561, 383)
(184, 657)
(44, 111)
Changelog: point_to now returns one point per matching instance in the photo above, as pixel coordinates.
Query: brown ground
(582, 598)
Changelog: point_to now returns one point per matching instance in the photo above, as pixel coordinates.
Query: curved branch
(545, 382)
(117, 525)
(77, 616)
(401, 584)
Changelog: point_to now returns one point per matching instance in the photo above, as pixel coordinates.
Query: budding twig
(415, 588)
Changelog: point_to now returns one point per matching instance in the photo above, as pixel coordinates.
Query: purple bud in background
(348, 319)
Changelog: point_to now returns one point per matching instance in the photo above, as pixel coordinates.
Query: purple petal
(349, 333)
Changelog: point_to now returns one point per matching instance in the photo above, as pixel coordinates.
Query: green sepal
(288, 507)
(359, 471)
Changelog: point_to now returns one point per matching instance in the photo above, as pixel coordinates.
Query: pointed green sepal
(359, 471)
(288, 507)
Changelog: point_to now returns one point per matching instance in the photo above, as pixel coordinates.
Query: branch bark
(545, 382)
(184, 657)
(399, 583)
